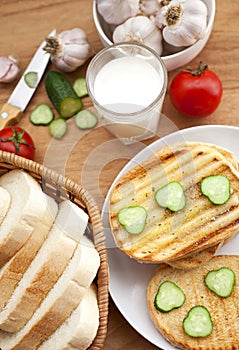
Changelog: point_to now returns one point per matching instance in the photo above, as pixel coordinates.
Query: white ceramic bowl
(174, 60)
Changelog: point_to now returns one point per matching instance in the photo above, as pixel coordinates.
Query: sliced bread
(79, 330)
(12, 272)
(27, 203)
(4, 203)
(44, 271)
(60, 302)
(200, 224)
(224, 311)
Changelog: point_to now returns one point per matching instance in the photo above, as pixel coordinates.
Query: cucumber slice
(221, 281)
(216, 188)
(58, 128)
(86, 119)
(133, 219)
(80, 87)
(198, 322)
(169, 297)
(31, 79)
(171, 196)
(41, 115)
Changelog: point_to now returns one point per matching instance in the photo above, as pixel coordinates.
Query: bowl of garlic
(176, 29)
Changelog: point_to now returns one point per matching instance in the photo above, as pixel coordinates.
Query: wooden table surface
(94, 158)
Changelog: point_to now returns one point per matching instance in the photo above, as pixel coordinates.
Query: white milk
(127, 84)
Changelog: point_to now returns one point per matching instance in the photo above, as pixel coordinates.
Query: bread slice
(27, 204)
(43, 272)
(79, 330)
(12, 272)
(224, 311)
(168, 236)
(60, 302)
(4, 203)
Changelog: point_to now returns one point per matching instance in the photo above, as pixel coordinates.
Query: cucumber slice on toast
(198, 322)
(221, 281)
(133, 218)
(169, 297)
(171, 196)
(216, 188)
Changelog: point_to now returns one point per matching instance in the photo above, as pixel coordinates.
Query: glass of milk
(127, 83)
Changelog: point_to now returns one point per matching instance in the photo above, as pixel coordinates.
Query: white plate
(128, 278)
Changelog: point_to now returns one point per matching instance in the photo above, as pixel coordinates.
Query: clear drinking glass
(127, 84)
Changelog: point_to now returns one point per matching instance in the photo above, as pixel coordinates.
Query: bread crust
(224, 311)
(170, 236)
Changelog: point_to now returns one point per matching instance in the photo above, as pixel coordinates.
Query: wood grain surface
(94, 158)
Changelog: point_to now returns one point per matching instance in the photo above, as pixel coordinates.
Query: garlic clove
(149, 7)
(69, 49)
(182, 22)
(139, 29)
(9, 69)
(117, 11)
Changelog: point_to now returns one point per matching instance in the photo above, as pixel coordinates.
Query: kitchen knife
(11, 111)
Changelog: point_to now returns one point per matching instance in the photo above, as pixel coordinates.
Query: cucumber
(62, 94)
(80, 88)
(169, 296)
(31, 79)
(216, 188)
(58, 128)
(41, 115)
(171, 196)
(221, 281)
(133, 218)
(198, 322)
(86, 119)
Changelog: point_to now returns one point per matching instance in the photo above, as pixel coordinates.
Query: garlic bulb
(139, 29)
(9, 69)
(69, 49)
(149, 7)
(183, 21)
(117, 11)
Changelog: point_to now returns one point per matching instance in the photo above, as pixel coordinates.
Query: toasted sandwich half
(168, 235)
(223, 311)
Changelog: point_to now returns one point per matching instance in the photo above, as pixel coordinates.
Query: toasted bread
(200, 224)
(224, 311)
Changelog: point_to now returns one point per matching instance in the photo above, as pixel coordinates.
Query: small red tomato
(196, 92)
(16, 140)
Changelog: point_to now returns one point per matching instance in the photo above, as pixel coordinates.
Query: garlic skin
(117, 11)
(149, 7)
(139, 29)
(183, 21)
(9, 69)
(69, 49)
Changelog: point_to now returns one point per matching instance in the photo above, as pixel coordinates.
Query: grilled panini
(200, 225)
(224, 311)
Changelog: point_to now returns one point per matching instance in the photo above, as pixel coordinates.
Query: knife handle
(9, 115)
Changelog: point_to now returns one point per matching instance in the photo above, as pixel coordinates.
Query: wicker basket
(59, 188)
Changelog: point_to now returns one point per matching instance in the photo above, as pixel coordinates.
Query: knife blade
(12, 111)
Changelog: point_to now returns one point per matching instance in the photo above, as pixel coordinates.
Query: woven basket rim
(10, 159)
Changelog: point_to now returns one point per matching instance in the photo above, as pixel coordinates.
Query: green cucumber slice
(85, 119)
(80, 87)
(171, 196)
(221, 281)
(31, 79)
(198, 322)
(216, 188)
(169, 296)
(41, 115)
(58, 128)
(133, 218)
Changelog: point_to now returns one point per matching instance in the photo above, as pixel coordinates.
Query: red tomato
(16, 140)
(196, 92)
